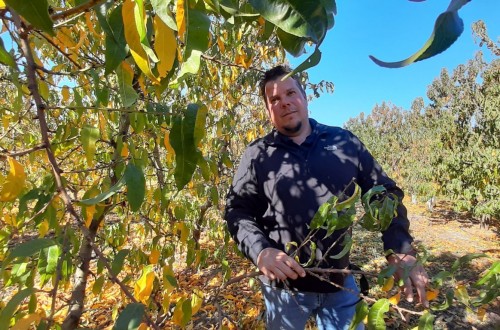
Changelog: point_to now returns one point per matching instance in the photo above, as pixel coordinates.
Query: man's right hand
(276, 264)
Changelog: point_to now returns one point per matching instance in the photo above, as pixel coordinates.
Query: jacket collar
(275, 137)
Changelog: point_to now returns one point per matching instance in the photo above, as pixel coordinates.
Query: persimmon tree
(121, 122)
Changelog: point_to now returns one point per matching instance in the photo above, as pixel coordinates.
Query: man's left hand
(417, 277)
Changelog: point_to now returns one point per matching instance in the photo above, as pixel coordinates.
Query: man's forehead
(279, 84)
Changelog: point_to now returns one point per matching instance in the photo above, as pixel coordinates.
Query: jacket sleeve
(244, 205)
(397, 237)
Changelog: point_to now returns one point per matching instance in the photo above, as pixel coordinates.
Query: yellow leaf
(168, 146)
(25, 322)
(134, 40)
(43, 228)
(43, 88)
(180, 19)
(14, 183)
(196, 301)
(144, 286)
(165, 46)
(395, 299)
(89, 21)
(143, 326)
(89, 214)
(2, 4)
(432, 294)
(481, 312)
(220, 43)
(65, 93)
(125, 151)
(5, 121)
(178, 316)
(388, 284)
(154, 256)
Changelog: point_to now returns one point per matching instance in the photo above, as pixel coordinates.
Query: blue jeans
(291, 310)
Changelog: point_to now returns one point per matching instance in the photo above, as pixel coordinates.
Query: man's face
(287, 106)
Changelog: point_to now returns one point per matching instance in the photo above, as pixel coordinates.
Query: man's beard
(293, 130)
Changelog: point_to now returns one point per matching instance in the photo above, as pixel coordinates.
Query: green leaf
(6, 58)
(200, 124)
(9, 310)
(426, 321)
(27, 249)
(35, 12)
(302, 18)
(447, 28)
(292, 44)
(321, 215)
(125, 88)
(189, 67)
(360, 314)
(182, 139)
(131, 317)
(347, 243)
(162, 10)
(136, 186)
(376, 314)
(105, 195)
(466, 259)
(116, 45)
(312, 257)
(197, 31)
(88, 137)
(450, 294)
(118, 261)
(98, 284)
(492, 271)
(440, 277)
(52, 256)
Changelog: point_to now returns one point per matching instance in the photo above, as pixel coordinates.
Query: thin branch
(76, 10)
(24, 152)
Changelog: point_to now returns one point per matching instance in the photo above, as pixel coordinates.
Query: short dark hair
(275, 73)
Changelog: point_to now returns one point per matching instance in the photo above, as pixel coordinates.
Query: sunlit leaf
(360, 314)
(131, 317)
(426, 321)
(133, 37)
(447, 28)
(377, 313)
(105, 195)
(196, 300)
(9, 309)
(180, 18)
(88, 137)
(28, 248)
(165, 46)
(144, 286)
(14, 183)
(308, 19)
(182, 312)
(6, 58)
(35, 12)
(161, 8)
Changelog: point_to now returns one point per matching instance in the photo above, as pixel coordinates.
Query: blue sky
(391, 31)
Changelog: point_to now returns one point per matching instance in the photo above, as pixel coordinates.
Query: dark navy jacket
(280, 185)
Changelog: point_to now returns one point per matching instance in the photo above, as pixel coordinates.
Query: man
(280, 183)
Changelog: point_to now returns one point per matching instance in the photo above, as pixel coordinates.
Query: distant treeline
(449, 148)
